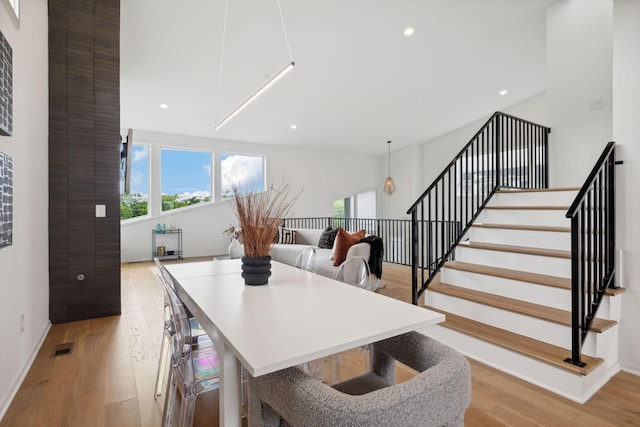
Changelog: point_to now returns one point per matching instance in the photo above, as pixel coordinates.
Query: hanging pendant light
(389, 185)
(262, 88)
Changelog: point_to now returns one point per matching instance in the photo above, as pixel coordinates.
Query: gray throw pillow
(327, 238)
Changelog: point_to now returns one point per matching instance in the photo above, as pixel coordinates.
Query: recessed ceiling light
(503, 92)
(294, 126)
(408, 31)
(164, 106)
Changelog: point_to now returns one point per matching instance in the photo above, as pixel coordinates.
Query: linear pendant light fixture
(265, 86)
(389, 185)
(257, 93)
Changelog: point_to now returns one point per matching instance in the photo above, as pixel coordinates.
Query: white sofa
(305, 237)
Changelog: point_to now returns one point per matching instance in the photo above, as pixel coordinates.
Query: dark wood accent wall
(84, 155)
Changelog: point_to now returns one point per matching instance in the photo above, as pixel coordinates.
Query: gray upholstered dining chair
(437, 396)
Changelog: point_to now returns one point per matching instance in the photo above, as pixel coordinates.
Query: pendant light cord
(284, 30)
(224, 36)
(389, 143)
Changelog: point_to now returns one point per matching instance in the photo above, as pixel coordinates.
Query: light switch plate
(101, 211)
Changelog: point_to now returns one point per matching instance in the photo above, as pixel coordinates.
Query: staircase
(507, 296)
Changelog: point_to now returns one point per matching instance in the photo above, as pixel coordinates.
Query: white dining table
(297, 317)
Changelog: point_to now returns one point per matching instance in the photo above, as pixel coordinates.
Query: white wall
(626, 133)
(579, 55)
(414, 168)
(24, 266)
(320, 176)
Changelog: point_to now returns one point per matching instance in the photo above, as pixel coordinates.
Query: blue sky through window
(185, 171)
(140, 170)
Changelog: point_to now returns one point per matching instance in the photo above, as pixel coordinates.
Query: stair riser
(604, 344)
(549, 296)
(523, 291)
(572, 386)
(524, 217)
(536, 198)
(529, 238)
(538, 329)
(531, 263)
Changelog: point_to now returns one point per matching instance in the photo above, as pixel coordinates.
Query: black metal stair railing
(592, 215)
(507, 152)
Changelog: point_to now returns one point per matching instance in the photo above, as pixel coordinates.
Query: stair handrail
(592, 215)
(504, 143)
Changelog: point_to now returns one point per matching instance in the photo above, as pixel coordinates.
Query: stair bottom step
(539, 350)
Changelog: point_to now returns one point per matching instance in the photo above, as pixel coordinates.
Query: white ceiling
(358, 80)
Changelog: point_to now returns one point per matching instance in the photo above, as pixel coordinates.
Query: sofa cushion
(286, 236)
(308, 236)
(327, 238)
(344, 241)
(286, 254)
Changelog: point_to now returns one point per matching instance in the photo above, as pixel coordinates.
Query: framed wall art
(6, 87)
(6, 200)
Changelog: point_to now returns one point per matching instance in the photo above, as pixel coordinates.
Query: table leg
(229, 387)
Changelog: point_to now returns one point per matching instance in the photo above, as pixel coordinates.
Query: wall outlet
(21, 324)
(101, 211)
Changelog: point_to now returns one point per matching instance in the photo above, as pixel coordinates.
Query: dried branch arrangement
(259, 215)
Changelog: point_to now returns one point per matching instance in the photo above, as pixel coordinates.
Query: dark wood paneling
(84, 132)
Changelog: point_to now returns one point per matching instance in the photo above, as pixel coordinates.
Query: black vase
(256, 270)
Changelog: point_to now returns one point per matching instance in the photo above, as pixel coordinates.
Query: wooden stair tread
(539, 350)
(538, 311)
(521, 276)
(524, 227)
(528, 208)
(537, 190)
(556, 253)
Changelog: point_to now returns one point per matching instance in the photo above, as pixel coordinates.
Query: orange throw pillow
(344, 241)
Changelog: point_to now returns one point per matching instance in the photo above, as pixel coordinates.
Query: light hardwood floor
(108, 378)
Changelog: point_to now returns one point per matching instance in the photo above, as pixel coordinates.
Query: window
(366, 204)
(185, 177)
(134, 194)
(362, 205)
(243, 171)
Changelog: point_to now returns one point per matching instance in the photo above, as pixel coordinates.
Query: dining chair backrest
(194, 369)
(355, 271)
(306, 260)
(165, 276)
(438, 395)
(182, 339)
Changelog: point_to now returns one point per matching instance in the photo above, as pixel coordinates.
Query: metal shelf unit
(170, 240)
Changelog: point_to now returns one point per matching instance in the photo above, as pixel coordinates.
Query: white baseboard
(632, 369)
(23, 373)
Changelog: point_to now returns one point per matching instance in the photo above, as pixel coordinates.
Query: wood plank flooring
(108, 379)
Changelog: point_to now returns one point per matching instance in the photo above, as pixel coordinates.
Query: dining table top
(297, 317)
